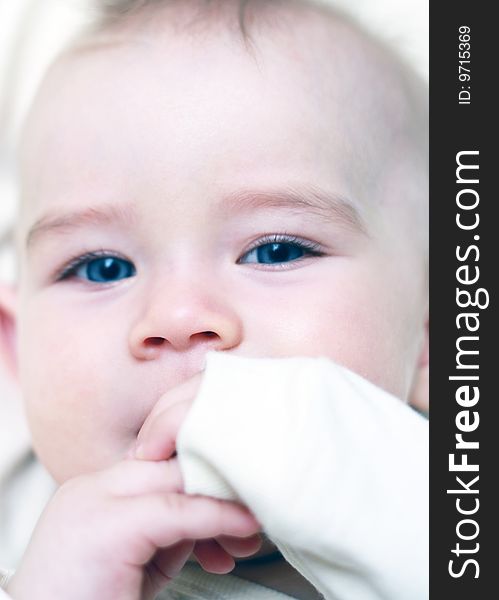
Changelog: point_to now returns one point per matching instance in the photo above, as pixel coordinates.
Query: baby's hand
(158, 435)
(121, 533)
(157, 441)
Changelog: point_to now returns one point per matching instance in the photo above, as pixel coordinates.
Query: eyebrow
(331, 207)
(68, 222)
(310, 199)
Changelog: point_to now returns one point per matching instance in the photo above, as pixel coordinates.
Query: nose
(184, 318)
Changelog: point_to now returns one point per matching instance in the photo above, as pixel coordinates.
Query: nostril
(203, 336)
(155, 341)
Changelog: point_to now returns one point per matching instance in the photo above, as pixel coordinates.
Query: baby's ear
(8, 357)
(419, 395)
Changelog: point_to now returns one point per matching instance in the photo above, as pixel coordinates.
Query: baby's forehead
(323, 61)
(301, 70)
(305, 38)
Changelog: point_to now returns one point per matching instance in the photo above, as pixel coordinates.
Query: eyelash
(71, 267)
(310, 248)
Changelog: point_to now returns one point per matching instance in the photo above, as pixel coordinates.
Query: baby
(221, 310)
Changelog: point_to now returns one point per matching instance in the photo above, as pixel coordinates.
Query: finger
(132, 477)
(162, 520)
(181, 394)
(185, 392)
(157, 438)
(164, 566)
(170, 561)
(213, 558)
(240, 547)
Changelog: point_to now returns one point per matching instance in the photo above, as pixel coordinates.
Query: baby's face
(180, 197)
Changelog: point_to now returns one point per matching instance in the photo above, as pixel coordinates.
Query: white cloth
(195, 584)
(334, 468)
(25, 486)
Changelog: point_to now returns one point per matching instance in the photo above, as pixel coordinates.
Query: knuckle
(174, 503)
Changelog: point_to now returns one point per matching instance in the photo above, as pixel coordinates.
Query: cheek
(72, 397)
(357, 325)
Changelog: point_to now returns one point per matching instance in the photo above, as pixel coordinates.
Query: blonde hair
(110, 12)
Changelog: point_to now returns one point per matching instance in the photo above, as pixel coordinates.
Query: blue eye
(280, 250)
(99, 269)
